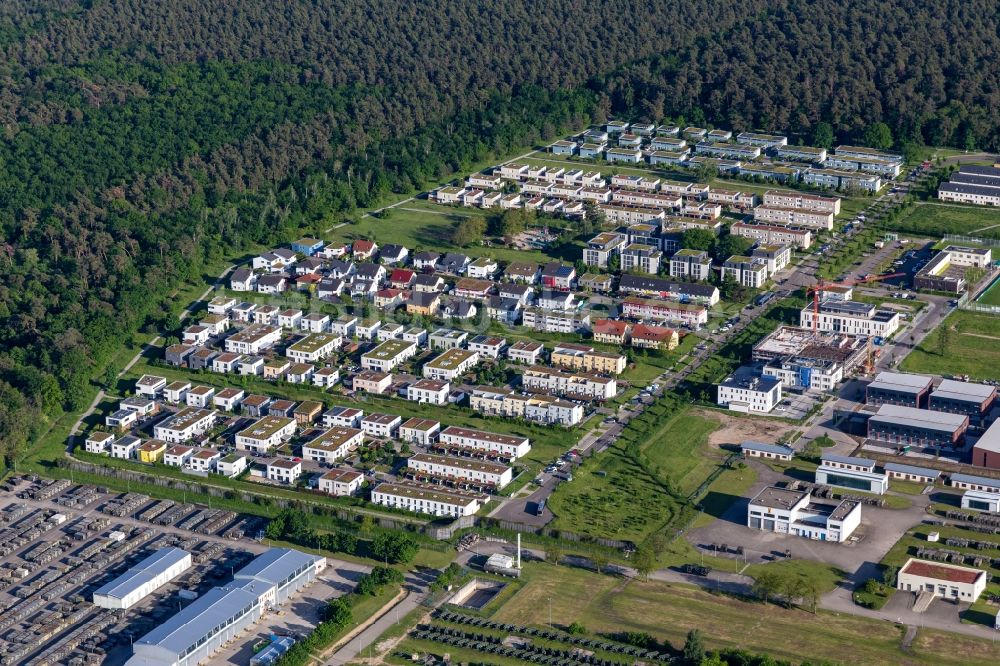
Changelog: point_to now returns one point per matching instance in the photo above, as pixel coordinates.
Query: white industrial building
(851, 317)
(194, 634)
(794, 512)
(948, 581)
(851, 473)
(981, 500)
(747, 391)
(143, 579)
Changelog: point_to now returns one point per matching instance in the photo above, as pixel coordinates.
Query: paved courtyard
(879, 530)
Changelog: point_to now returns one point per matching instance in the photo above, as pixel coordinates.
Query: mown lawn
(931, 219)
(973, 348)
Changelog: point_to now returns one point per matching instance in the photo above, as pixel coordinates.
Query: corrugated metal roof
(978, 480)
(912, 469)
(897, 381)
(142, 573)
(955, 390)
(990, 441)
(847, 460)
(768, 448)
(220, 604)
(921, 418)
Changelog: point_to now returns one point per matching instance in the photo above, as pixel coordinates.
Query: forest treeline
(145, 142)
(929, 69)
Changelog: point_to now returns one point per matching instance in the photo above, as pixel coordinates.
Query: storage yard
(60, 543)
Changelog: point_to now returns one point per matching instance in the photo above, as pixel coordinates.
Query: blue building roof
(776, 449)
(191, 624)
(847, 460)
(912, 469)
(978, 480)
(221, 604)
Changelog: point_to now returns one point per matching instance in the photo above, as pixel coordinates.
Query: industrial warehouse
(135, 584)
(192, 635)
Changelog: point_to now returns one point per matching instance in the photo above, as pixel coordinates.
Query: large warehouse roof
(919, 418)
(897, 381)
(955, 390)
(221, 604)
(142, 573)
(186, 628)
(275, 566)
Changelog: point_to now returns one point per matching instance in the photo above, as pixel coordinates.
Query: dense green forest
(144, 142)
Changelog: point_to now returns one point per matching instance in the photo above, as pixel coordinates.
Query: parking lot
(60, 541)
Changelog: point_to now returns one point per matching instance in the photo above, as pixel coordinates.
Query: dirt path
(981, 335)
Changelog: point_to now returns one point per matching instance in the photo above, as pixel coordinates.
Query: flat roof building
(896, 388)
(794, 512)
(143, 579)
(922, 427)
(851, 473)
(747, 390)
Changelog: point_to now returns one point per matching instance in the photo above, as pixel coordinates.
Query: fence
(972, 240)
(982, 307)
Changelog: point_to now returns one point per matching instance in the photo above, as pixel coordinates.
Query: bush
(371, 583)
(576, 629)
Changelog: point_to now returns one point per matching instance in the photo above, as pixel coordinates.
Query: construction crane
(817, 289)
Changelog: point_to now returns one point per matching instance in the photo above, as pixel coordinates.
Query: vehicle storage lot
(60, 541)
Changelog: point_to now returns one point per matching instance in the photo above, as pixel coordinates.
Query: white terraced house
(462, 469)
(511, 446)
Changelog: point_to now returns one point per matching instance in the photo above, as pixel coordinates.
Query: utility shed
(144, 578)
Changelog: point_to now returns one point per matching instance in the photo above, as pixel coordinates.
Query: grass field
(421, 225)
(931, 219)
(612, 497)
(667, 612)
(973, 348)
(824, 576)
(991, 296)
(680, 447)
